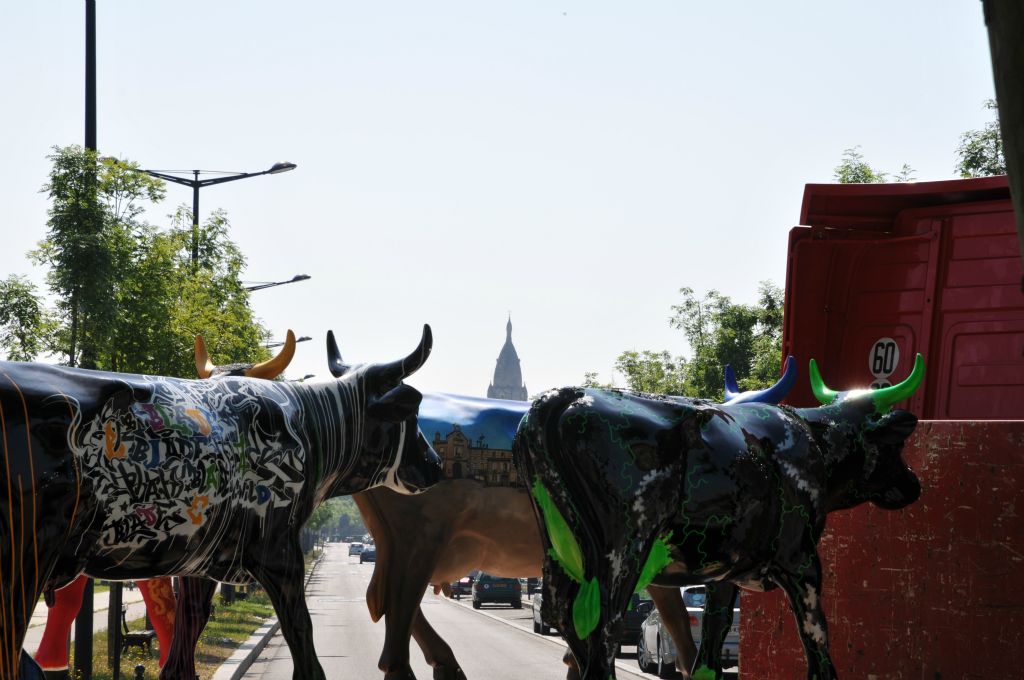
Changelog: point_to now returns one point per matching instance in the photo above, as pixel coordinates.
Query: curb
(238, 663)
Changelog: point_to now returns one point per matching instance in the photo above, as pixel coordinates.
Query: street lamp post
(260, 285)
(272, 345)
(198, 184)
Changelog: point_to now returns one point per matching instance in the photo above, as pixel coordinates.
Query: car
(355, 548)
(539, 626)
(639, 609)
(655, 651)
(489, 588)
(464, 586)
(369, 554)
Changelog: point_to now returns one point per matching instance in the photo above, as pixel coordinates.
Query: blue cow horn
(335, 364)
(769, 395)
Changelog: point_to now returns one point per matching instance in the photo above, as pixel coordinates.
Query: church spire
(508, 375)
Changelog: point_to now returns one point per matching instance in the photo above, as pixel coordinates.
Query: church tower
(508, 376)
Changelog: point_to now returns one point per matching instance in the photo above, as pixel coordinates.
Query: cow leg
(190, 616)
(436, 651)
(669, 602)
(158, 593)
(803, 587)
(718, 608)
(403, 605)
(281, 576)
(52, 655)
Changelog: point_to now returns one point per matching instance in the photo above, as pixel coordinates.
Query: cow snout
(904, 491)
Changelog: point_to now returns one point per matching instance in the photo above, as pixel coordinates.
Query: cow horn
(823, 393)
(732, 390)
(394, 372)
(335, 364)
(204, 367)
(887, 396)
(769, 395)
(270, 369)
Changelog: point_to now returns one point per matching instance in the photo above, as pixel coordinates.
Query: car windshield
(694, 597)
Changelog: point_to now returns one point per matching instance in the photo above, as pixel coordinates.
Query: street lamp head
(300, 277)
(281, 167)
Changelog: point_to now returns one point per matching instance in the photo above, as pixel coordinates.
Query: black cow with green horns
(633, 489)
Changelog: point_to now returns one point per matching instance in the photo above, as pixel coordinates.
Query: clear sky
(572, 163)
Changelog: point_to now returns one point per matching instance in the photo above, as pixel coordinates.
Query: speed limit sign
(883, 359)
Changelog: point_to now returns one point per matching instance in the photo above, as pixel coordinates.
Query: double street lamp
(260, 285)
(198, 184)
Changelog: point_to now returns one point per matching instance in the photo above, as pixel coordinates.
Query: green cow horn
(823, 393)
(887, 396)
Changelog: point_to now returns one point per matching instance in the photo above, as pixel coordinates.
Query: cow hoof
(449, 673)
(406, 674)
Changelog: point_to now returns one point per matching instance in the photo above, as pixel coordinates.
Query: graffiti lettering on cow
(114, 447)
(199, 504)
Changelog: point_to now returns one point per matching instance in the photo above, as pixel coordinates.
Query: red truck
(876, 274)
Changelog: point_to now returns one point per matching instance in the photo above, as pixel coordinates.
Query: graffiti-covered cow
(636, 489)
(166, 613)
(125, 476)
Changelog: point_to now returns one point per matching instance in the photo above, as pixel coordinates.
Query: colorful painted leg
(158, 593)
(195, 599)
(52, 655)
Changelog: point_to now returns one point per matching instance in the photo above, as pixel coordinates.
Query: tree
(25, 324)
(980, 153)
(853, 169)
(719, 332)
(126, 295)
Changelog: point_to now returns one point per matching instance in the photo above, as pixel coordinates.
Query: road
(491, 644)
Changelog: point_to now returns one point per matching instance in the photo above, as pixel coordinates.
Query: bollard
(140, 672)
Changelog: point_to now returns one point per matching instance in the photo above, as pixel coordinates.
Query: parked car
(464, 586)
(489, 588)
(639, 610)
(539, 626)
(655, 651)
(355, 548)
(369, 554)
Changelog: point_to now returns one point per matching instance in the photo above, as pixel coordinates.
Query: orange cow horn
(272, 368)
(204, 367)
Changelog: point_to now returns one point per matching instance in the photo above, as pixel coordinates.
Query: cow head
(267, 370)
(391, 408)
(863, 442)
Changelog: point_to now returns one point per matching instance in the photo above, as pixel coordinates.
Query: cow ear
(396, 405)
(893, 428)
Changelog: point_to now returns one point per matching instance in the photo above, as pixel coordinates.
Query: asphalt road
(495, 643)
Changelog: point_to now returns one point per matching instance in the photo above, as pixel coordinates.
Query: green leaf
(564, 548)
(586, 609)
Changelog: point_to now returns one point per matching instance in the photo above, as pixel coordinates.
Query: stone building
(464, 458)
(508, 376)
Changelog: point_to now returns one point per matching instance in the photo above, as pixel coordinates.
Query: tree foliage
(126, 295)
(853, 169)
(980, 153)
(337, 516)
(25, 322)
(719, 332)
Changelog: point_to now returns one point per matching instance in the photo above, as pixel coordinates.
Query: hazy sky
(573, 163)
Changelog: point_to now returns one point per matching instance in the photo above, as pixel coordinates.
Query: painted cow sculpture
(161, 604)
(460, 525)
(633, 489)
(124, 476)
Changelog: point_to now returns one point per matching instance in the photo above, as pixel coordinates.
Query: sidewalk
(101, 603)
